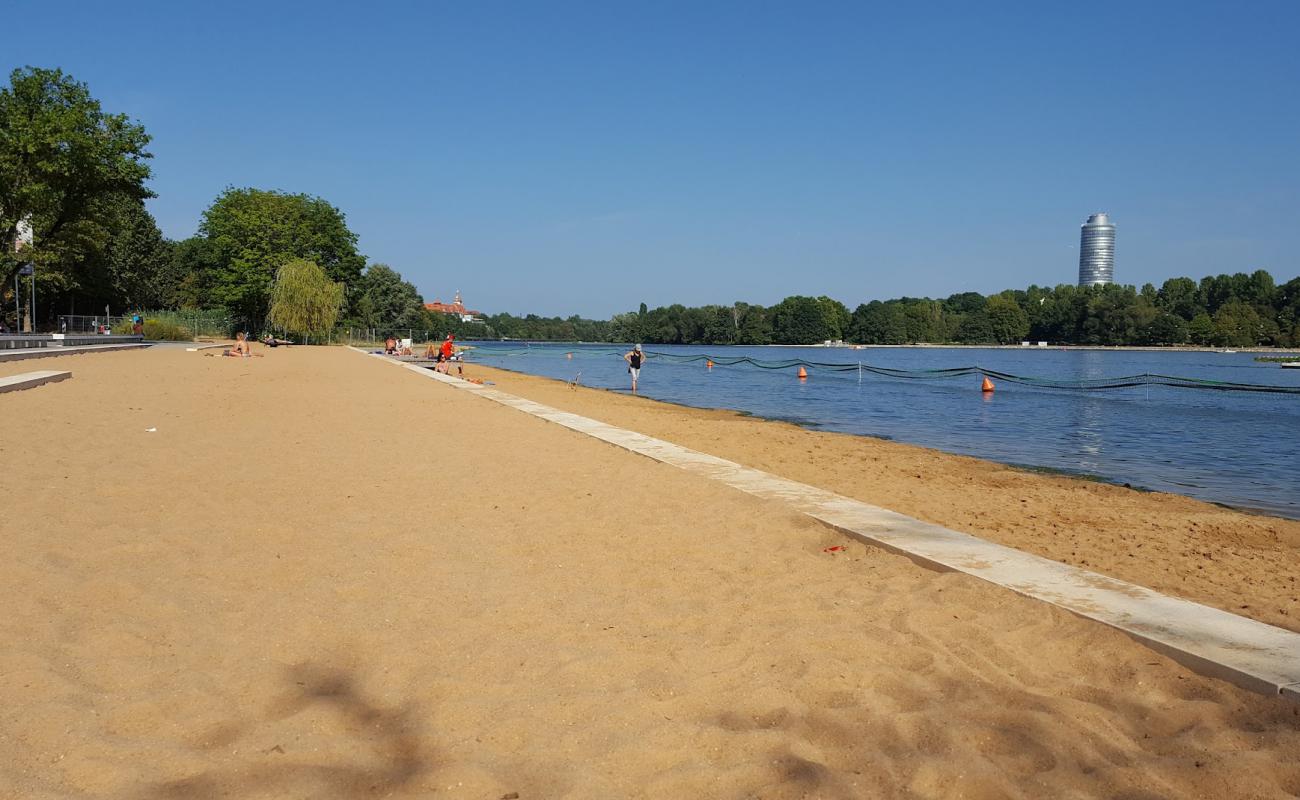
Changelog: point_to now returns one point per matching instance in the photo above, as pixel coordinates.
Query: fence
(365, 337)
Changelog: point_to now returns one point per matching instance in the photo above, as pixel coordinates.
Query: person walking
(633, 359)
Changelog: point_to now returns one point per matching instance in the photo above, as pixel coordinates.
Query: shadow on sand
(388, 751)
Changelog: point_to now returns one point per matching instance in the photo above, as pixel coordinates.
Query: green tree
(1180, 296)
(385, 299)
(976, 328)
(137, 259)
(254, 232)
(1164, 328)
(1007, 319)
(193, 273)
(304, 299)
(753, 324)
(799, 320)
(878, 323)
(64, 163)
(925, 321)
(1237, 324)
(836, 316)
(1201, 330)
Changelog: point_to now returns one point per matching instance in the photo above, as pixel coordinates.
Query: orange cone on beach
(987, 386)
(803, 374)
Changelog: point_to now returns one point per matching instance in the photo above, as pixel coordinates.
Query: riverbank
(319, 574)
(1240, 562)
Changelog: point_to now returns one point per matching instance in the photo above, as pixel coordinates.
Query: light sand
(1244, 563)
(322, 576)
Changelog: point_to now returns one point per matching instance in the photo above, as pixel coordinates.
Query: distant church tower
(1097, 251)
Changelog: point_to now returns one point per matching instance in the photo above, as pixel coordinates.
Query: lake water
(1238, 449)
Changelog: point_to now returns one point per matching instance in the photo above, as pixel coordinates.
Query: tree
(753, 324)
(878, 323)
(254, 232)
(1165, 328)
(1179, 296)
(1236, 324)
(63, 163)
(193, 273)
(800, 320)
(137, 258)
(836, 316)
(304, 299)
(975, 328)
(1007, 319)
(385, 299)
(1201, 329)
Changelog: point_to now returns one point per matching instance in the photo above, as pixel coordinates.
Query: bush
(161, 330)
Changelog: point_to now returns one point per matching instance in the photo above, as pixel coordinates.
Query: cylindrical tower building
(1097, 251)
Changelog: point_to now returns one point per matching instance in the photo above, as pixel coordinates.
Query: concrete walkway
(61, 350)
(30, 380)
(1251, 654)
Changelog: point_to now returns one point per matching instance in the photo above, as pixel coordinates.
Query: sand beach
(314, 575)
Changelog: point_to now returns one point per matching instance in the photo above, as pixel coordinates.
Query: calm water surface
(1238, 449)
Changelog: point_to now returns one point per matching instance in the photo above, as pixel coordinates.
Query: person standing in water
(633, 359)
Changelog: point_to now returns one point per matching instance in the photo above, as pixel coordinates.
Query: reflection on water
(1227, 447)
(1088, 429)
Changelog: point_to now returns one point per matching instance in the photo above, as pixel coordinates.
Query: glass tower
(1097, 251)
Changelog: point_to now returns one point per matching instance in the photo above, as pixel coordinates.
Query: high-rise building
(1097, 251)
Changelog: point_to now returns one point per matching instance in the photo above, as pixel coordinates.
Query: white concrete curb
(59, 350)
(30, 380)
(1251, 654)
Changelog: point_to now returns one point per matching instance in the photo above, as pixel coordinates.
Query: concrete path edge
(1256, 656)
(30, 380)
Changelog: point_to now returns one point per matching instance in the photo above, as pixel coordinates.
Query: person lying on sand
(271, 341)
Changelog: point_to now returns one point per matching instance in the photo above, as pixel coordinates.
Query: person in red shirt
(445, 354)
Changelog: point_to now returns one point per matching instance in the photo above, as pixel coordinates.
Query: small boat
(1290, 365)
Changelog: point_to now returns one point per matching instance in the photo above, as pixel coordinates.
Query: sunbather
(241, 348)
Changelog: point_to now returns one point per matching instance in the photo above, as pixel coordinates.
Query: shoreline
(1036, 469)
(928, 346)
(1160, 540)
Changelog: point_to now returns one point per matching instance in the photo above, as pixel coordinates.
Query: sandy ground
(1244, 563)
(322, 576)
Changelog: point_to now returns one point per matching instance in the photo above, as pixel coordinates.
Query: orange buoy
(708, 363)
(987, 386)
(803, 374)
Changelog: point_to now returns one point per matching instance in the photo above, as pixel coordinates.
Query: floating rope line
(1076, 384)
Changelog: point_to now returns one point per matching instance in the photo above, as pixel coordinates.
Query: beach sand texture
(1247, 564)
(322, 576)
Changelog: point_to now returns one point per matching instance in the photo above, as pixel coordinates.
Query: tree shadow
(390, 752)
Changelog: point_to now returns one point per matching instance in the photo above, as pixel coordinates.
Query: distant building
(457, 308)
(1097, 251)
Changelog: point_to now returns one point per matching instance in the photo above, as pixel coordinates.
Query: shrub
(161, 330)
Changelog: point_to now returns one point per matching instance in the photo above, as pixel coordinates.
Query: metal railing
(87, 323)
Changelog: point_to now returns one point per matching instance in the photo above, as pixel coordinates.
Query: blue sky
(582, 158)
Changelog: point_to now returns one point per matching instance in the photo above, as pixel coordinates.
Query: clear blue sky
(583, 157)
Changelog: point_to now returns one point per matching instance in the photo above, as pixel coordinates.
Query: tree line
(1237, 310)
(75, 176)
